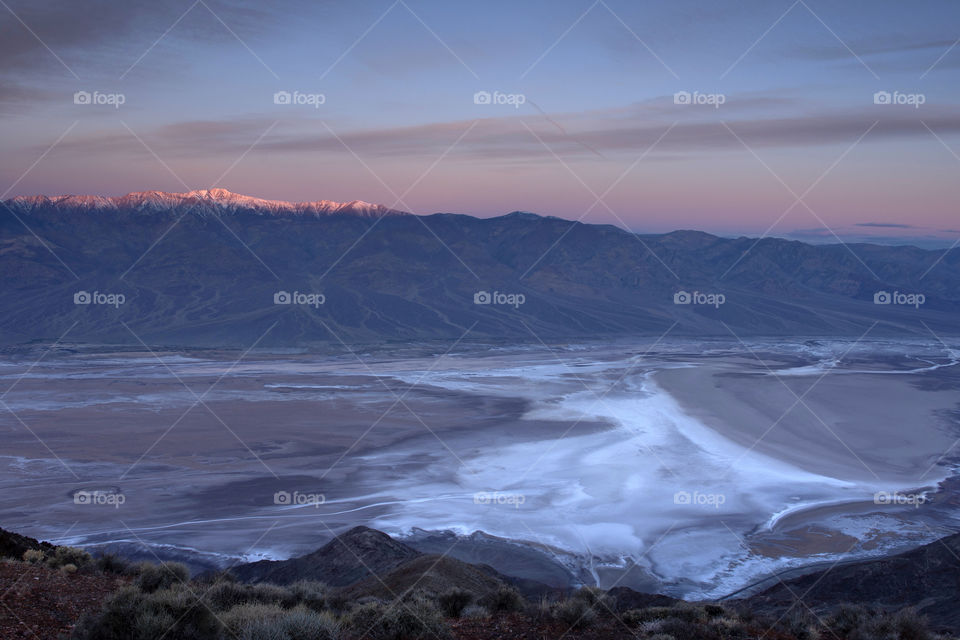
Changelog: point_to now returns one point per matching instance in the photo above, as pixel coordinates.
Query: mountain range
(212, 268)
(366, 562)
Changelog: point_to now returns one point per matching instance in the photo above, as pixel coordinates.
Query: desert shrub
(310, 593)
(111, 563)
(688, 613)
(474, 612)
(746, 614)
(847, 617)
(69, 568)
(650, 614)
(272, 622)
(210, 578)
(800, 625)
(504, 600)
(680, 628)
(910, 625)
(364, 616)
(338, 602)
(149, 625)
(222, 596)
(252, 622)
(271, 593)
(632, 617)
(153, 577)
(34, 556)
(540, 610)
(63, 556)
(714, 610)
(731, 628)
(597, 598)
(302, 623)
(453, 601)
(116, 621)
(174, 614)
(407, 620)
(903, 625)
(194, 621)
(590, 595)
(575, 613)
(880, 628)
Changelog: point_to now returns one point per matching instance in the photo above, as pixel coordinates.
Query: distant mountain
(355, 555)
(213, 268)
(368, 562)
(202, 200)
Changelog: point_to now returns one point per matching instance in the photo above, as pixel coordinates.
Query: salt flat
(692, 468)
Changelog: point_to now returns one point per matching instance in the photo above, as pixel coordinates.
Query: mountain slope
(202, 269)
(358, 554)
(927, 578)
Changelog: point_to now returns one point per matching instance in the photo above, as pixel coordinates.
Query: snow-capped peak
(202, 199)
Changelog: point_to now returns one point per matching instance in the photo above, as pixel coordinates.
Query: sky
(733, 117)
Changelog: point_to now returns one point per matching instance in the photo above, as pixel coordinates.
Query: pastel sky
(594, 133)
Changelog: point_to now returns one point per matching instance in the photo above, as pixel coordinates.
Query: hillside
(432, 596)
(927, 578)
(204, 269)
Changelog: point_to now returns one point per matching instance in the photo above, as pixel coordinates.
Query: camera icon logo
(882, 297)
(82, 297)
(282, 497)
(282, 297)
(81, 497)
(682, 297)
(682, 97)
(882, 97)
(482, 97)
(282, 97)
(81, 97)
(682, 497)
(482, 297)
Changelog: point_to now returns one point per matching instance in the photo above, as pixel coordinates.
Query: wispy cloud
(886, 225)
(505, 139)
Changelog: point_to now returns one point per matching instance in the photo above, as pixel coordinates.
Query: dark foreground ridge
(364, 584)
(222, 269)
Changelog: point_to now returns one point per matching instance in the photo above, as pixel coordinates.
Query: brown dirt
(518, 627)
(43, 604)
